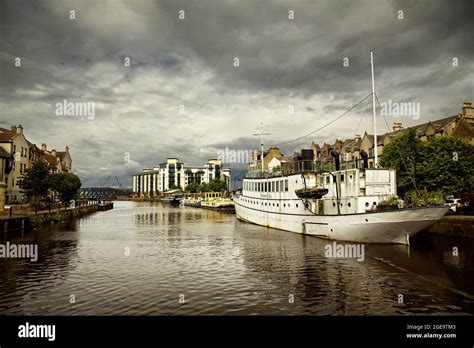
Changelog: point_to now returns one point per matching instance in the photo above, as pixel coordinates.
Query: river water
(145, 258)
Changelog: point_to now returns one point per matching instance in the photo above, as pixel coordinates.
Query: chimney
(67, 148)
(13, 129)
(19, 129)
(43, 147)
(397, 126)
(467, 109)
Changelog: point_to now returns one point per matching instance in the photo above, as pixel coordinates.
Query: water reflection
(140, 257)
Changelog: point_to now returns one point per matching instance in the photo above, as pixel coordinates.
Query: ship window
(284, 205)
(341, 204)
(350, 177)
(296, 205)
(374, 203)
(333, 204)
(366, 204)
(282, 185)
(277, 205)
(349, 204)
(306, 206)
(277, 186)
(266, 187)
(273, 204)
(342, 177)
(286, 185)
(273, 186)
(328, 179)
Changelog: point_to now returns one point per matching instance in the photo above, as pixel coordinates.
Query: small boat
(216, 201)
(219, 204)
(311, 192)
(176, 200)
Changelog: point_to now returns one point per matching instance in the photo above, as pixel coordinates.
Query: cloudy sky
(183, 94)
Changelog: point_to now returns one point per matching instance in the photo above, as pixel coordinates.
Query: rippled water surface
(220, 265)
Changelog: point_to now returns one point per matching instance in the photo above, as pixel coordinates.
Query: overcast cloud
(190, 63)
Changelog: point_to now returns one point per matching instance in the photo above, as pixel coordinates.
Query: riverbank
(453, 225)
(26, 221)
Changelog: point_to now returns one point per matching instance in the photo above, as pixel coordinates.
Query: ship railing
(302, 166)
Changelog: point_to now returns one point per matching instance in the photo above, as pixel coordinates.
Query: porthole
(307, 205)
(375, 203)
(349, 204)
(333, 204)
(277, 205)
(284, 205)
(366, 204)
(341, 204)
(296, 205)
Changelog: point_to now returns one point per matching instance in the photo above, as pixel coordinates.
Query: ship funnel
(335, 155)
(365, 158)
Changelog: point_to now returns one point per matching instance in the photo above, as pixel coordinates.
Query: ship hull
(395, 226)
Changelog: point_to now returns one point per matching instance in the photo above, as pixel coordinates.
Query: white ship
(340, 205)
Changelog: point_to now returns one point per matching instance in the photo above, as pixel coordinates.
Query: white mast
(261, 142)
(373, 108)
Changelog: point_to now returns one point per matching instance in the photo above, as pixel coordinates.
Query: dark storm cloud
(182, 95)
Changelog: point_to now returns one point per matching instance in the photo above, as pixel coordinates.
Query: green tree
(217, 185)
(204, 187)
(35, 182)
(193, 187)
(404, 153)
(446, 164)
(66, 185)
(441, 164)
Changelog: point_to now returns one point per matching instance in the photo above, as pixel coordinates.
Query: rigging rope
(327, 124)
